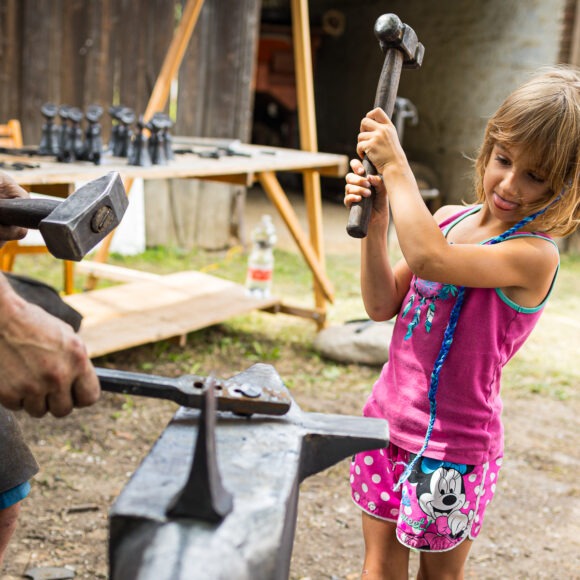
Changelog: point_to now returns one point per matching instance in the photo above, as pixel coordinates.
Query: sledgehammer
(73, 227)
(402, 49)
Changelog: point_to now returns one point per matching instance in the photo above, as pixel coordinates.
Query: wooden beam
(311, 314)
(575, 41)
(173, 58)
(304, 75)
(274, 191)
(307, 128)
(115, 273)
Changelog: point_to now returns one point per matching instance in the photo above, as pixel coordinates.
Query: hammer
(399, 43)
(73, 227)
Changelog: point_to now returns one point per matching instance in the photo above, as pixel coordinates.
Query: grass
(546, 365)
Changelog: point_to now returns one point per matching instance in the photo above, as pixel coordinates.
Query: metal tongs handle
(187, 391)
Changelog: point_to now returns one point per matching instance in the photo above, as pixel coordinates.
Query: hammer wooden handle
(360, 212)
(401, 48)
(26, 212)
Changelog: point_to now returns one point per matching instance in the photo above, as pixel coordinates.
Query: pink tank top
(490, 330)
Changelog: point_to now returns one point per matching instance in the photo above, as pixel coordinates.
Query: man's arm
(44, 365)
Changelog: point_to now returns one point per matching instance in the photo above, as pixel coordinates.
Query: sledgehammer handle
(26, 212)
(360, 212)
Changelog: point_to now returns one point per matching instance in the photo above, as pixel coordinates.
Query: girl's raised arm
(522, 264)
(383, 286)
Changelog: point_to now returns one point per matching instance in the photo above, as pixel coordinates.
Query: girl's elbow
(420, 268)
(425, 265)
(379, 314)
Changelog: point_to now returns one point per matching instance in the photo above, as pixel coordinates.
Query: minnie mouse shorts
(436, 508)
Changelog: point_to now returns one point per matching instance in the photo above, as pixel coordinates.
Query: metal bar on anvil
(231, 394)
(261, 460)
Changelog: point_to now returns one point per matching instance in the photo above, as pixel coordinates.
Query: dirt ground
(531, 529)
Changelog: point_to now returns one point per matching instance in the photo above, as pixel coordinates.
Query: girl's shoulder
(446, 214)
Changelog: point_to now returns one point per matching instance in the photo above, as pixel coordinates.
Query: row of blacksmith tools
(149, 144)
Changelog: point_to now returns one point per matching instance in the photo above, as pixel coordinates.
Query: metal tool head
(392, 33)
(80, 222)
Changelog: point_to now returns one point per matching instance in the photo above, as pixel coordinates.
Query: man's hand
(44, 365)
(8, 190)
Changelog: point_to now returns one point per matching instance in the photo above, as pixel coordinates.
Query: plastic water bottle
(261, 259)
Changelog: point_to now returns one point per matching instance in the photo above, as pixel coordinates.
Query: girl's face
(512, 182)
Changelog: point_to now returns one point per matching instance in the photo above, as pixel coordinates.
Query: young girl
(469, 290)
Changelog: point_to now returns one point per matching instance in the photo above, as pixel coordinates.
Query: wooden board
(128, 315)
(259, 158)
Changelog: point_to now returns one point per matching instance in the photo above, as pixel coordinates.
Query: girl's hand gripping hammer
(402, 49)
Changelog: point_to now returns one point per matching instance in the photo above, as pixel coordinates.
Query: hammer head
(392, 33)
(80, 222)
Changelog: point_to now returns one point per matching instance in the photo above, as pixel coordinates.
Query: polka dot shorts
(440, 505)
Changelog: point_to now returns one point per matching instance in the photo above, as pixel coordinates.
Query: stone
(357, 341)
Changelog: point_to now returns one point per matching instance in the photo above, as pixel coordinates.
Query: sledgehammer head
(87, 216)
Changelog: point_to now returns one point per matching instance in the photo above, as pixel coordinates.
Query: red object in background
(275, 72)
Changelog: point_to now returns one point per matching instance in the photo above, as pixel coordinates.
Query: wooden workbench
(146, 307)
(244, 169)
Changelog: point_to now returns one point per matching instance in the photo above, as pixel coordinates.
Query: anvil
(155, 532)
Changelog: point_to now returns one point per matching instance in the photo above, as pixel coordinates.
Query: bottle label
(259, 275)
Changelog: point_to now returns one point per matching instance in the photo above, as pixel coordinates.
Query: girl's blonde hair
(543, 117)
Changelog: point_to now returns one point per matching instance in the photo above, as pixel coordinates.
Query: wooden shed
(237, 78)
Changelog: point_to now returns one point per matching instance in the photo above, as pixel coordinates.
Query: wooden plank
(54, 71)
(304, 75)
(134, 297)
(159, 210)
(161, 26)
(129, 315)
(277, 196)
(173, 58)
(187, 166)
(215, 93)
(10, 39)
(98, 74)
(131, 52)
(307, 131)
(40, 60)
(75, 24)
(115, 273)
(574, 56)
(215, 80)
(132, 91)
(188, 213)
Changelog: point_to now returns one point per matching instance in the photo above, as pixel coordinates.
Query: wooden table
(147, 307)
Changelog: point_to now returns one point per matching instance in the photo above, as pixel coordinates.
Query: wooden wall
(215, 99)
(79, 52)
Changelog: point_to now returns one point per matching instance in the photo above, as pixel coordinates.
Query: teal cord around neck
(448, 340)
